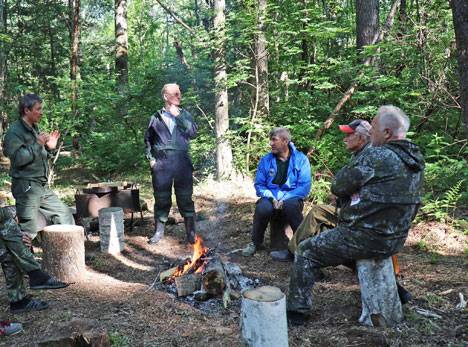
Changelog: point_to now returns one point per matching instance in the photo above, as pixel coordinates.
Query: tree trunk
(3, 70)
(214, 277)
(64, 253)
(224, 168)
(460, 23)
(367, 22)
(75, 41)
(121, 55)
(263, 317)
(261, 61)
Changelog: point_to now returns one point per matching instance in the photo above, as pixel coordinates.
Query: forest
(243, 67)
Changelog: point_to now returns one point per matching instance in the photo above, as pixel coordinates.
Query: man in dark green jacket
(28, 150)
(384, 185)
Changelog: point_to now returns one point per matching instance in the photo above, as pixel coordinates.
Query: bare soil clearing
(116, 291)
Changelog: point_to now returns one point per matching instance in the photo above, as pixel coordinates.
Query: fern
(443, 209)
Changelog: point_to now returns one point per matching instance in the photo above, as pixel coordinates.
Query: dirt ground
(117, 294)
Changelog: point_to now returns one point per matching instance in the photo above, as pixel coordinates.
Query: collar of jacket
(34, 128)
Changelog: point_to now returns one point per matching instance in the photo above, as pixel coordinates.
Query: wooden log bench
(381, 305)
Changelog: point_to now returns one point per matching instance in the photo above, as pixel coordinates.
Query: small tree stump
(263, 317)
(279, 232)
(111, 230)
(64, 252)
(381, 305)
(76, 333)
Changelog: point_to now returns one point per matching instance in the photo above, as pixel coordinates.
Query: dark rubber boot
(190, 229)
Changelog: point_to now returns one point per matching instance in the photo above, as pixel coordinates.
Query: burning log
(214, 277)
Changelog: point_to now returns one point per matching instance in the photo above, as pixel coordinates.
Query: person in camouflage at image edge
(17, 260)
(385, 184)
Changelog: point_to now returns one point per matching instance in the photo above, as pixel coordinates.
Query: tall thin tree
(261, 61)
(224, 167)
(121, 54)
(74, 6)
(367, 22)
(3, 62)
(460, 23)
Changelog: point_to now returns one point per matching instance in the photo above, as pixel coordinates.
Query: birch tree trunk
(74, 6)
(224, 168)
(121, 54)
(460, 23)
(261, 61)
(3, 26)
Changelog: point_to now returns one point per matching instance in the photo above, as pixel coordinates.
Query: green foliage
(443, 209)
(118, 340)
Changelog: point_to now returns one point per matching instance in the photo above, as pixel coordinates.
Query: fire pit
(91, 199)
(204, 276)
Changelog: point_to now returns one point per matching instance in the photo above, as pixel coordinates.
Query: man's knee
(292, 206)
(264, 208)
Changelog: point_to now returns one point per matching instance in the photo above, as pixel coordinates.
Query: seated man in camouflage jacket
(385, 188)
(17, 260)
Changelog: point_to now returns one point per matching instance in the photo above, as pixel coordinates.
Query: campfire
(196, 263)
(205, 275)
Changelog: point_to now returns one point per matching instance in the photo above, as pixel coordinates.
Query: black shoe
(190, 229)
(27, 305)
(297, 318)
(283, 255)
(404, 295)
(51, 283)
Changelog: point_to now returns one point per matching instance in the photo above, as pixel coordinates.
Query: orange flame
(198, 251)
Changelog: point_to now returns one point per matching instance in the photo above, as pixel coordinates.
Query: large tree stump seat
(263, 317)
(280, 232)
(64, 252)
(381, 305)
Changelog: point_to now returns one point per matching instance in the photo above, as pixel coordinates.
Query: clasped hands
(277, 204)
(49, 140)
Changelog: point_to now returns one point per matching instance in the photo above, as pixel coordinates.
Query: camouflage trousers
(318, 219)
(16, 259)
(332, 247)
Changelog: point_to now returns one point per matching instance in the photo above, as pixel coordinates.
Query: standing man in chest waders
(167, 143)
(29, 149)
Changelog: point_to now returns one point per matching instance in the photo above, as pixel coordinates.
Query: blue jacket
(297, 184)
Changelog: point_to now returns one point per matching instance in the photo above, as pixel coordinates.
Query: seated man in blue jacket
(282, 182)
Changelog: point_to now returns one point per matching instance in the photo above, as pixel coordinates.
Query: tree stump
(111, 230)
(263, 317)
(76, 333)
(381, 305)
(64, 252)
(279, 230)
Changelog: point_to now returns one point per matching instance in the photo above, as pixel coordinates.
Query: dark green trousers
(16, 259)
(32, 197)
(318, 219)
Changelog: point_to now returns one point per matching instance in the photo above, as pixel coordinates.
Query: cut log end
(264, 294)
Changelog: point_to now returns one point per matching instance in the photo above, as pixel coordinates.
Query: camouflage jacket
(7, 220)
(28, 158)
(385, 187)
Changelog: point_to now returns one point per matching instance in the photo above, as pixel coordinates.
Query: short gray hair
(167, 85)
(281, 132)
(393, 118)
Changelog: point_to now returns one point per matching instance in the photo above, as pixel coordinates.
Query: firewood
(64, 253)
(214, 277)
(111, 230)
(163, 276)
(187, 284)
(76, 333)
(263, 317)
